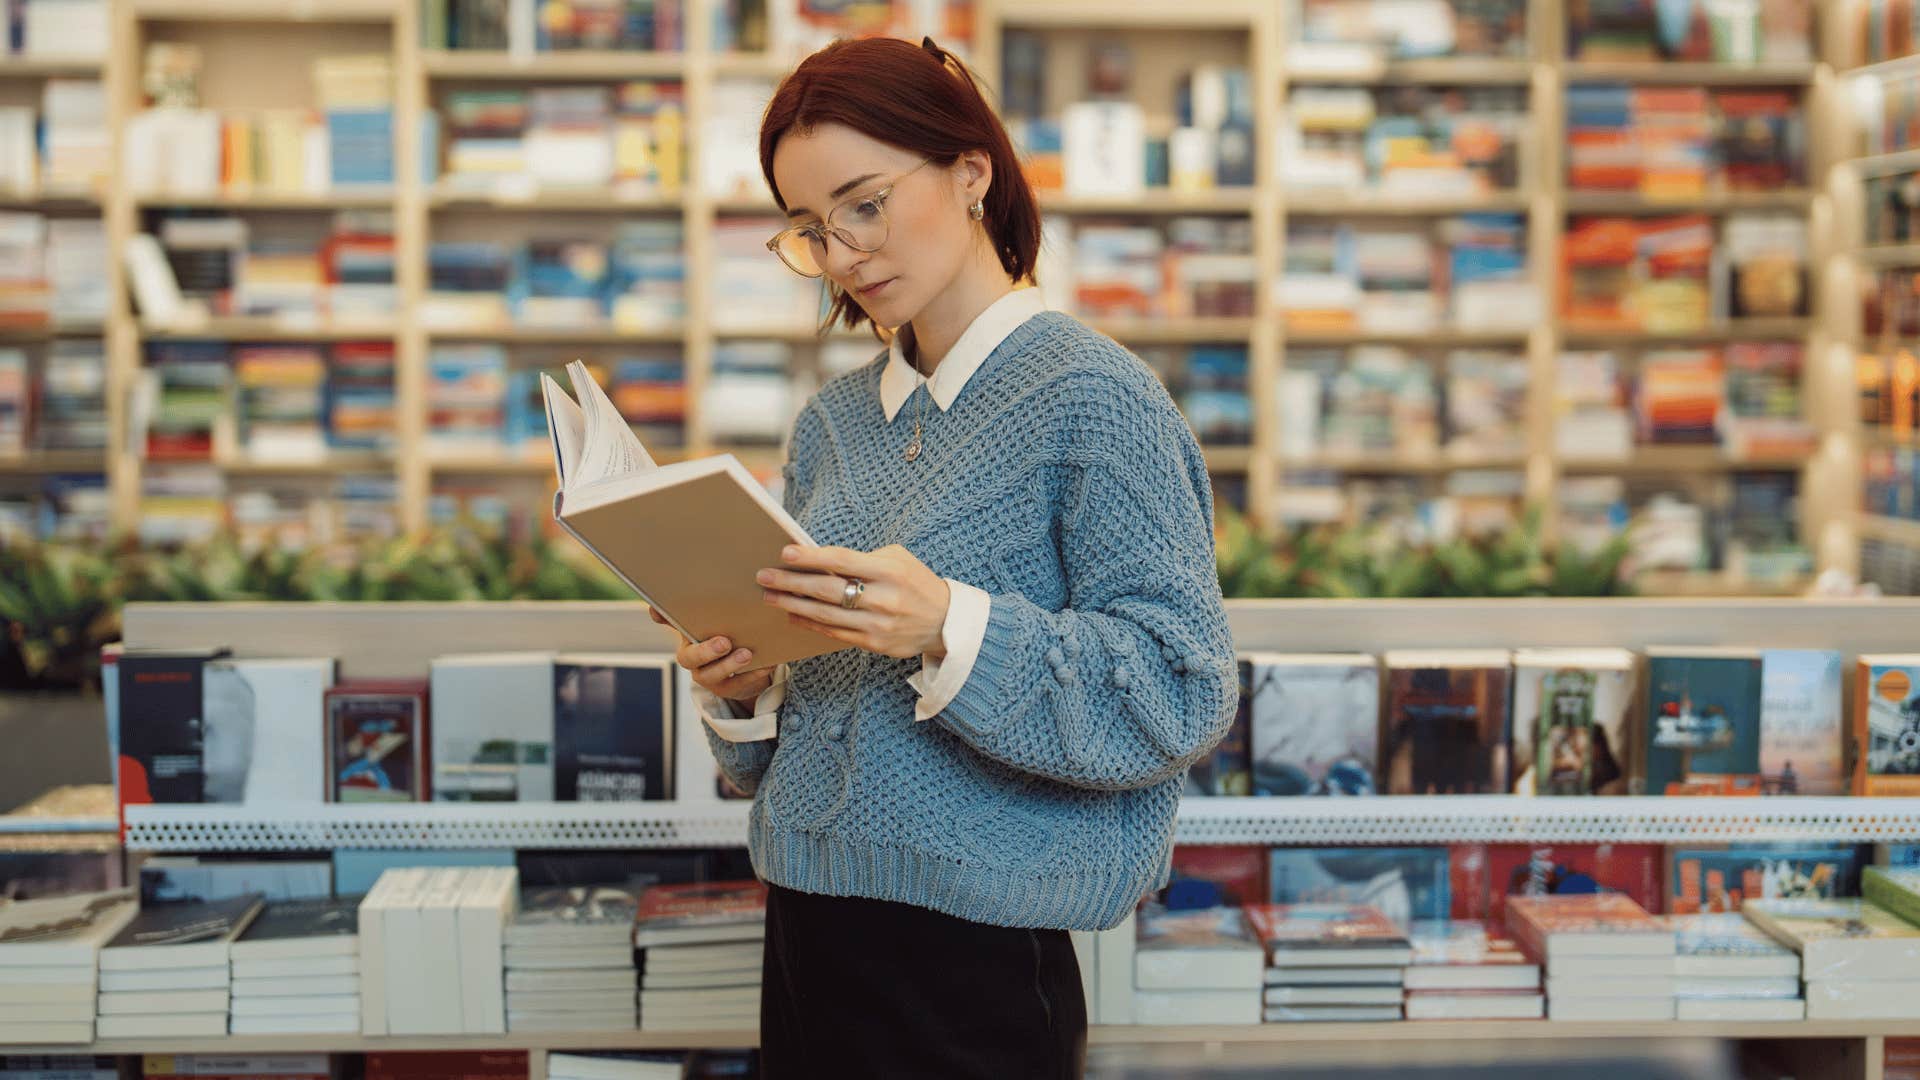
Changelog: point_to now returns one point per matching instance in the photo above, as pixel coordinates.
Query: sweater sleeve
(1134, 679)
(745, 758)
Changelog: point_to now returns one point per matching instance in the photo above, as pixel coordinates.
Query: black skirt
(869, 988)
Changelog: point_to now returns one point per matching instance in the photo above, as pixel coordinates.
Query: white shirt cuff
(938, 681)
(718, 712)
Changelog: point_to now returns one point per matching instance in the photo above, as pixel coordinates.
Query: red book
(701, 912)
(377, 741)
(442, 1064)
(1637, 870)
(1328, 935)
(1240, 872)
(1593, 924)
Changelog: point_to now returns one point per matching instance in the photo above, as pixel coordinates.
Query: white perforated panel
(1376, 820)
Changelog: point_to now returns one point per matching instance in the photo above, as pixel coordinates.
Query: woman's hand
(900, 614)
(730, 676)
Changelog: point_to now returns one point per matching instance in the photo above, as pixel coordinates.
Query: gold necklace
(913, 445)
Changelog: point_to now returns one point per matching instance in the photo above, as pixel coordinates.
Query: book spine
(1884, 891)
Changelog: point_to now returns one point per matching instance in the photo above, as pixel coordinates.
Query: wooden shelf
(381, 199)
(1383, 204)
(1130, 14)
(20, 66)
(48, 462)
(1435, 464)
(49, 200)
(1899, 530)
(596, 200)
(247, 329)
(1739, 330)
(1195, 331)
(13, 335)
(1607, 202)
(1663, 73)
(493, 65)
(1152, 201)
(253, 11)
(540, 335)
(1438, 339)
(1228, 459)
(1439, 71)
(741, 65)
(478, 464)
(1657, 459)
(1704, 583)
(1894, 161)
(1890, 255)
(332, 465)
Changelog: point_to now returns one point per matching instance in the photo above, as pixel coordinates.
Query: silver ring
(850, 597)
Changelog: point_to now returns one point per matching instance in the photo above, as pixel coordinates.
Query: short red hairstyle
(919, 98)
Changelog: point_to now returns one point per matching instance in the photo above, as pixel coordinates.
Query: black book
(159, 725)
(584, 915)
(612, 728)
(290, 929)
(197, 934)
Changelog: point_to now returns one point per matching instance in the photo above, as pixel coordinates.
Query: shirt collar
(988, 329)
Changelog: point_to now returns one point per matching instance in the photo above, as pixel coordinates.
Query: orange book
(1886, 725)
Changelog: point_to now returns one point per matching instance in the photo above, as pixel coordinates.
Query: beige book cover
(688, 537)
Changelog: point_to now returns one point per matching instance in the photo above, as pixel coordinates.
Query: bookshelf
(243, 39)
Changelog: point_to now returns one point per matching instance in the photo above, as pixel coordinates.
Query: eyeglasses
(860, 222)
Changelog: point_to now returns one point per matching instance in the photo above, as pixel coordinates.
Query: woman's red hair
(918, 98)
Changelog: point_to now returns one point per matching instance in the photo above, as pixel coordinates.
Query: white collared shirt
(965, 627)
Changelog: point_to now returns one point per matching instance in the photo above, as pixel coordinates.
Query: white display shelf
(1413, 819)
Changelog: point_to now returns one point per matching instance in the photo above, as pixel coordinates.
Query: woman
(1017, 545)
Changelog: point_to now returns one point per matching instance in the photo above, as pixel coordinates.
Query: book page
(609, 447)
(566, 427)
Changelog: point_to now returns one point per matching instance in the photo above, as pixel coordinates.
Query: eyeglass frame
(880, 195)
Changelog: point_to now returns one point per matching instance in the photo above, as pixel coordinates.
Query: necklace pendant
(913, 448)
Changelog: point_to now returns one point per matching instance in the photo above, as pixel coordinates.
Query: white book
(718, 998)
(1210, 949)
(1739, 1009)
(487, 906)
(298, 986)
(442, 1012)
(262, 730)
(585, 915)
(325, 1024)
(1626, 1008)
(314, 1005)
(373, 953)
(703, 957)
(1354, 976)
(1652, 966)
(185, 1025)
(299, 968)
(729, 1022)
(598, 979)
(16, 993)
(207, 978)
(611, 1020)
(153, 1003)
(1435, 1005)
(560, 957)
(642, 520)
(59, 976)
(582, 1067)
(1319, 1014)
(1714, 986)
(38, 1033)
(1845, 939)
(481, 703)
(1115, 948)
(1863, 999)
(403, 956)
(558, 1001)
(699, 980)
(51, 1012)
(62, 930)
(1561, 986)
(1197, 1007)
(1332, 995)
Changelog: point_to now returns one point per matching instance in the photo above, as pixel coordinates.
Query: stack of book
(182, 399)
(14, 402)
(751, 292)
(430, 947)
(1465, 969)
(76, 140)
(1330, 962)
(1196, 967)
(49, 963)
(358, 259)
(1680, 397)
(701, 951)
(282, 401)
(1726, 969)
(76, 268)
(1858, 961)
(72, 412)
(24, 296)
(1591, 420)
(569, 960)
(1605, 957)
(168, 972)
(296, 970)
(360, 396)
(1639, 30)
(466, 398)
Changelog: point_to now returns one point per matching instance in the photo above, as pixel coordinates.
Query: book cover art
(1464, 943)
(263, 737)
(1801, 726)
(1721, 880)
(707, 903)
(187, 923)
(1315, 724)
(291, 920)
(160, 733)
(1703, 719)
(1305, 927)
(1571, 716)
(1797, 922)
(1404, 884)
(1445, 729)
(169, 878)
(1719, 935)
(64, 918)
(1205, 928)
(1227, 770)
(1886, 726)
(1534, 919)
(1237, 873)
(494, 742)
(613, 723)
(1633, 870)
(377, 742)
(546, 910)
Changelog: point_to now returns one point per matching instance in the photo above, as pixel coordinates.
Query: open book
(688, 537)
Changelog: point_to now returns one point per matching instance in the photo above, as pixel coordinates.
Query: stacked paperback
(167, 973)
(430, 945)
(700, 956)
(296, 970)
(569, 960)
(1726, 969)
(1605, 957)
(1468, 970)
(1330, 962)
(1198, 966)
(1858, 961)
(49, 957)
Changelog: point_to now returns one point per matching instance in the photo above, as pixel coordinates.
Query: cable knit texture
(1066, 484)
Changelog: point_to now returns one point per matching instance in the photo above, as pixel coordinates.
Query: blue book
(1405, 883)
(1703, 720)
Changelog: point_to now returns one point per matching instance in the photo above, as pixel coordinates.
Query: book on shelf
(634, 515)
(1487, 877)
(1468, 954)
(169, 878)
(1228, 769)
(1703, 720)
(1553, 928)
(260, 728)
(1205, 874)
(1840, 940)
(494, 738)
(1314, 720)
(1206, 949)
(613, 727)
(188, 935)
(1886, 725)
(1572, 711)
(1717, 881)
(378, 742)
(1778, 31)
(700, 913)
(1329, 935)
(1405, 884)
(1802, 729)
(1445, 725)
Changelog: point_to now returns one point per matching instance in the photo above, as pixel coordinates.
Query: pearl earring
(978, 210)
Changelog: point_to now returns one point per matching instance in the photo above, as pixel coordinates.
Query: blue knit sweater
(1065, 483)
